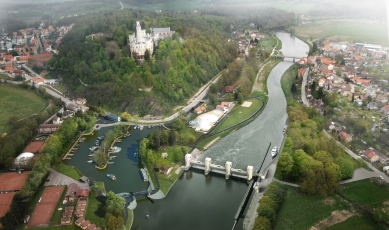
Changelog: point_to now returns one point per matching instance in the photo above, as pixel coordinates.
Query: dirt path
(336, 217)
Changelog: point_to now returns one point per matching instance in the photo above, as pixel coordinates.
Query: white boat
(90, 161)
(115, 149)
(274, 151)
(119, 140)
(135, 154)
(91, 155)
(135, 127)
(93, 148)
(144, 175)
(110, 162)
(147, 216)
(111, 176)
(112, 157)
(140, 127)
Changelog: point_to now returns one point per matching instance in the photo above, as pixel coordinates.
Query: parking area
(58, 179)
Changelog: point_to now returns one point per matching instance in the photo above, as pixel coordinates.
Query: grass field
(238, 114)
(18, 102)
(67, 170)
(365, 192)
(95, 211)
(356, 223)
(303, 211)
(353, 31)
(286, 82)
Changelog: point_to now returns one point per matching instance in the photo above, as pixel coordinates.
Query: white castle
(141, 42)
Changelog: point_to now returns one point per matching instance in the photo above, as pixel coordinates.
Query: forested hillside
(102, 71)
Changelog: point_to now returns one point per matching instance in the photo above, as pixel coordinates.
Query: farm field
(353, 31)
(18, 102)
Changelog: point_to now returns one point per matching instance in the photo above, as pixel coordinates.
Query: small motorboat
(111, 162)
(91, 155)
(90, 161)
(274, 152)
(111, 176)
(147, 216)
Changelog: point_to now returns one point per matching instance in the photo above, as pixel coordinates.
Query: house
(343, 136)
(37, 80)
(385, 110)
(226, 105)
(301, 72)
(381, 98)
(82, 193)
(382, 157)
(200, 109)
(47, 128)
(229, 89)
(372, 105)
(386, 169)
(370, 154)
(40, 60)
(57, 120)
(220, 108)
(79, 221)
(334, 127)
(66, 220)
(91, 227)
(85, 224)
(322, 82)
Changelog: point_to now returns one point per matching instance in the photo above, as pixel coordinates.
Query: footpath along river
(210, 202)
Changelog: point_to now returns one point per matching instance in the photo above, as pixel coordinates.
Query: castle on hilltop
(143, 41)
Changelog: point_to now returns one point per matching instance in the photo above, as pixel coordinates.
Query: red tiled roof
(369, 153)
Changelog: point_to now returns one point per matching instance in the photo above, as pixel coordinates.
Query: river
(210, 202)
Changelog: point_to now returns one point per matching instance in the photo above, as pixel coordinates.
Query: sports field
(18, 102)
(12, 181)
(45, 206)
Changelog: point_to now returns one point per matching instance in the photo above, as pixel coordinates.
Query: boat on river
(144, 174)
(115, 149)
(111, 162)
(274, 152)
(119, 140)
(90, 161)
(140, 127)
(93, 148)
(111, 176)
(91, 155)
(147, 216)
(112, 158)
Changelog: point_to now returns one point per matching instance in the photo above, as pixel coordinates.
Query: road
(303, 84)
(121, 5)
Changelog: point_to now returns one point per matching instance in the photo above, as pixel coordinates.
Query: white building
(142, 41)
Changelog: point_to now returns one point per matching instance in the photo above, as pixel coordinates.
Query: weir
(226, 170)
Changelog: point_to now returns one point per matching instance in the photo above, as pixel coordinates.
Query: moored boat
(90, 161)
(111, 176)
(274, 152)
(115, 149)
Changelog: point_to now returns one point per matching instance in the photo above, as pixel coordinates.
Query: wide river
(198, 202)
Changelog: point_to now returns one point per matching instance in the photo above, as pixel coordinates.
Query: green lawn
(67, 170)
(238, 114)
(365, 192)
(357, 223)
(95, 212)
(18, 102)
(301, 211)
(286, 82)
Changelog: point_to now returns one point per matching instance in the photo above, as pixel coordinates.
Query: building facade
(142, 41)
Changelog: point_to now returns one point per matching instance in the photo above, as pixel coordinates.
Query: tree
(346, 168)
(114, 222)
(147, 55)
(172, 137)
(293, 89)
(262, 223)
(300, 160)
(126, 116)
(114, 204)
(179, 124)
(285, 163)
(240, 98)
